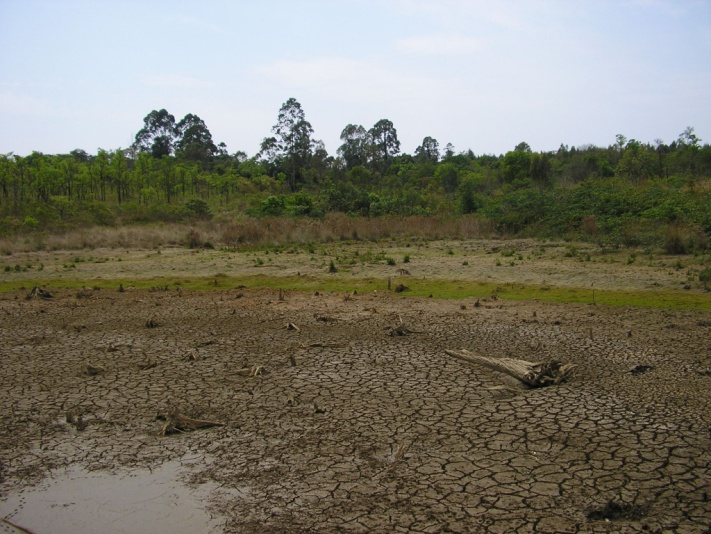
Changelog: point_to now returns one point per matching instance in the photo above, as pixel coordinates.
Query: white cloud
(441, 44)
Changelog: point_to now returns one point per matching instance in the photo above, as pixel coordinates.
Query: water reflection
(76, 501)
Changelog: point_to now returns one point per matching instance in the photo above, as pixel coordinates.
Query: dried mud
(337, 426)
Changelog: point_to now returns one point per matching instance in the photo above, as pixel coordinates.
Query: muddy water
(76, 501)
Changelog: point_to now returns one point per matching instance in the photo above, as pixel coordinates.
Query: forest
(629, 193)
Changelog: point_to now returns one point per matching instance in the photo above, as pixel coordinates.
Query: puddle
(76, 501)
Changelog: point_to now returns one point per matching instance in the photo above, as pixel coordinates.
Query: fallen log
(535, 375)
(177, 422)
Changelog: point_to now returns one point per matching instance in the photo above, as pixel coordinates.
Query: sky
(483, 75)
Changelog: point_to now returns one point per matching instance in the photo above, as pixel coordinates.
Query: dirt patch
(340, 426)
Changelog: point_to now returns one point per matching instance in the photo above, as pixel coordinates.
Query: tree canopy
(628, 192)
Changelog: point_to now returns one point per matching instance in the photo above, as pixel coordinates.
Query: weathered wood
(535, 375)
(177, 422)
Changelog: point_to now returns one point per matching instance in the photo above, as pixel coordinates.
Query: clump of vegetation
(571, 252)
(332, 267)
(705, 277)
(674, 242)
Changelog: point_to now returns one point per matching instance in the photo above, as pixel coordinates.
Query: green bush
(199, 207)
(705, 277)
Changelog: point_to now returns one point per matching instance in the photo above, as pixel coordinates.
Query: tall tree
(449, 151)
(447, 174)
(291, 145)
(354, 149)
(428, 151)
(523, 146)
(158, 134)
(540, 168)
(194, 141)
(385, 144)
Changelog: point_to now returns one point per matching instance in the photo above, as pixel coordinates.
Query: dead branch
(535, 375)
(15, 526)
(322, 344)
(400, 330)
(147, 364)
(177, 422)
(93, 370)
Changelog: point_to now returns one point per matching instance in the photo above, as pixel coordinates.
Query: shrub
(589, 224)
(194, 239)
(705, 277)
(199, 207)
(674, 242)
(31, 223)
(272, 205)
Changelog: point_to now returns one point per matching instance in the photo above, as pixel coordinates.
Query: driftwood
(177, 422)
(535, 375)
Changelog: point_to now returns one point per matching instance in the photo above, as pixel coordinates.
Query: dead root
(252, 372)
(76, 419)
(324, 344)
(38, 292)
(92, 370)
(541, 374)
(175, 422)
(15, 527)
(400, 330)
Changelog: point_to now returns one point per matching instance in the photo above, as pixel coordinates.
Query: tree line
(626, 192)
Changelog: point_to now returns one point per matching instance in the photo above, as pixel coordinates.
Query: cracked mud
(337, 426)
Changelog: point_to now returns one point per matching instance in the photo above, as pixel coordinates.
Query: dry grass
(271, 231)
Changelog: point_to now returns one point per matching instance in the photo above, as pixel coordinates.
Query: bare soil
(337, 424)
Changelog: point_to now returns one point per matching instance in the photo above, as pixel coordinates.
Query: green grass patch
(444, 289)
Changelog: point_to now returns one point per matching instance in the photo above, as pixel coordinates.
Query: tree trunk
(532, 374)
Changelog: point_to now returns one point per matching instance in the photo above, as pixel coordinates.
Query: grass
(442, 289)
(477, 268)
